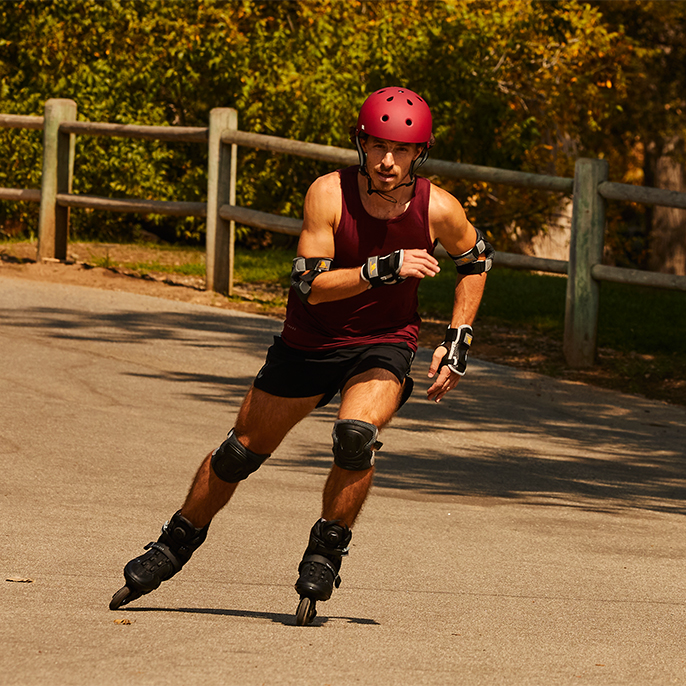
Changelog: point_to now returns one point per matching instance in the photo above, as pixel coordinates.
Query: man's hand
(418, 264)
(388, 270)
(446, 380)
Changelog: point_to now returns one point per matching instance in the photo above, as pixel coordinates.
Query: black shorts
(292, 373)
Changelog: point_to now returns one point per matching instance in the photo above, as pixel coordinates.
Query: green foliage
(512, 83)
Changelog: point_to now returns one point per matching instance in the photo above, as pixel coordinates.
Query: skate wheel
(119, 598)
(306, 611)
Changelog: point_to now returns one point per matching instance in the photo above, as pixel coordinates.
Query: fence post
(58, 170)
(585, 251)
(221, 190)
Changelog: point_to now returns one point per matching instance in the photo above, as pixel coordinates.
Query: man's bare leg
(372, 397)
(345, 493)
(262, 423)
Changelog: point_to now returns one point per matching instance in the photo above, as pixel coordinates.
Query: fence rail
(637, 277)
(589, 188)
(166, 207)
(642, 194)
(20, 121)
(171, 134)
(20, 194)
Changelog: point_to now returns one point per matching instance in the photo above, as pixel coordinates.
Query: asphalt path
(523, 531)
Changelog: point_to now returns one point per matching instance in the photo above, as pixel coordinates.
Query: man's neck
(384, 204)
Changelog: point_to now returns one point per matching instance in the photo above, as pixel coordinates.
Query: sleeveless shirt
(387, 314)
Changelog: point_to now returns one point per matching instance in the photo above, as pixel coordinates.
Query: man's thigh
(264, 419)
(372, 396)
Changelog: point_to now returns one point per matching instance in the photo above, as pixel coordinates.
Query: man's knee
(354, 443)
(233, 462)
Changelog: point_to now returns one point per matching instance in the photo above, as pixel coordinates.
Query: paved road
(524, 531)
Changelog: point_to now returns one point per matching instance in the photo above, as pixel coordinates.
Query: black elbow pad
(469, 263)
(305, 271)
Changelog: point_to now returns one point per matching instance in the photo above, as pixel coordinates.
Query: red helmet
(396, 114)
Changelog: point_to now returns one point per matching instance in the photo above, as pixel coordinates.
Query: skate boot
(320, 565)
(165, 557)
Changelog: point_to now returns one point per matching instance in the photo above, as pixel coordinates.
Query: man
(367, 240)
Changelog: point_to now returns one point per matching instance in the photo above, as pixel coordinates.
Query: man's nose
(388, 160)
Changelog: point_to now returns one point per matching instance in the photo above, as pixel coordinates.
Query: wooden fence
(590, 189)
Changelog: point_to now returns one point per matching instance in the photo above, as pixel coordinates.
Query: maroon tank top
(387, 314)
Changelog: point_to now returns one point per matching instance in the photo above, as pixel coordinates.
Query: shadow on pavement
(133, 327)
(276, 617)
(502, 433)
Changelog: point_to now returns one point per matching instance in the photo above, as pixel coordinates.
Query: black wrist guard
(383, 271)
(457, 341)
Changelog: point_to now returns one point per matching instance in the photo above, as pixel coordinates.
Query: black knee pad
(232, 462)
(354, 443)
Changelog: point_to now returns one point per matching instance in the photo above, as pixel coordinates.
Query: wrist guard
(383, 271)
(457, 341)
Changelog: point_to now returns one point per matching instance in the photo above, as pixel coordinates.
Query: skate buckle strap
(166, 551)
(320, 559)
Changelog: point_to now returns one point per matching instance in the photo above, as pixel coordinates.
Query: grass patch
(258, 266)
(519, 298)
(187, 269)
(645, 320)
(251, 266)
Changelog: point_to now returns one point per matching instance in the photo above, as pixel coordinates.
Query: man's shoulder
(326, 186)
(323, 202)
(443, 205)
(447, 219)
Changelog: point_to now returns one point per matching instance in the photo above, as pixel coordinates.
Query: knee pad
(232, 462)
(354, 443)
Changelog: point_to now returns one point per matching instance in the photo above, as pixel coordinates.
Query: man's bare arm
(451, 227)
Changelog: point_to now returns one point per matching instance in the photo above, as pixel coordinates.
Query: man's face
(388, 162)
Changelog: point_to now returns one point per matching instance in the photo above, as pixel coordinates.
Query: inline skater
(351, 327)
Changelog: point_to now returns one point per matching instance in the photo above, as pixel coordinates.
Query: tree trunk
(666, 225)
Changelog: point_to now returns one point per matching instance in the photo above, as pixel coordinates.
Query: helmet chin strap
(386, 194)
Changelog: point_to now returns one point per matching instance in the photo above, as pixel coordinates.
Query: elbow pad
(305, 271)
(469, 262)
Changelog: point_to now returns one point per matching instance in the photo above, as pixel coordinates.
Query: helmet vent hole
(385, 117)
(390, 99)
(408, 122)
(409, 102)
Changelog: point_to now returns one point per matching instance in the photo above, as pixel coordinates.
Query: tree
(652, 121)
(514, 84)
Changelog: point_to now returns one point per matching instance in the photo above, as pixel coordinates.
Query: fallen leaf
(122, 621)
(19, 580)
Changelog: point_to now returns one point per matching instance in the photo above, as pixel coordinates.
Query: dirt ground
(495, 342)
